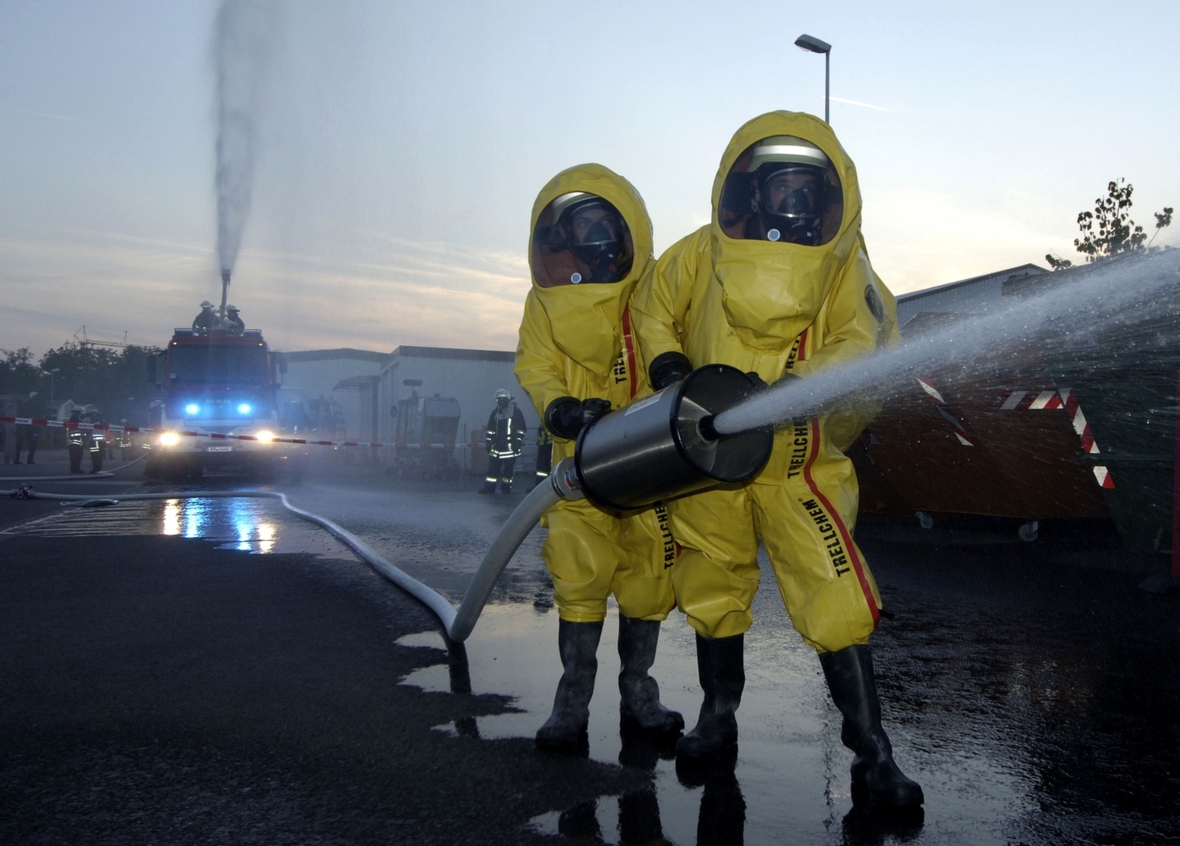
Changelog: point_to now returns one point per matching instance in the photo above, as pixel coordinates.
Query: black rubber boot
(640, 704)
(565, 730)
(876, 779)
(723, 676)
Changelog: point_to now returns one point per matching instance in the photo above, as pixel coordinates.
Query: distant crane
(87, 341)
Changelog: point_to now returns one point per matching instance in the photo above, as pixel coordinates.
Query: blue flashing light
(245, 408)
(192, 408)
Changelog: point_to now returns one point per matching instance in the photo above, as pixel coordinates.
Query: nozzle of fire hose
(566, 416)
(668, 444)
(566, 482)
(759, 382)
(668, 369)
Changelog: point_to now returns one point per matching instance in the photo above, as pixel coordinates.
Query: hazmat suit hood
(772, 291)
(583, 316)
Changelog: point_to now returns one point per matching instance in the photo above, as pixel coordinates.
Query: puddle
(790, 782)
(257, 526)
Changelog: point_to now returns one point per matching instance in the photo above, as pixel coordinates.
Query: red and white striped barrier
(1063, 399)
(218, 436)
(960, 430)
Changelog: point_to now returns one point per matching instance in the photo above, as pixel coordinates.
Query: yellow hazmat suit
(576, 341)
(775, 308)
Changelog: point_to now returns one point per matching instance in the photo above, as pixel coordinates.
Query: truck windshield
(208, 363)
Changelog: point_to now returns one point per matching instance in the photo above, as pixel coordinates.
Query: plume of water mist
(1138, 296)
(245, 38)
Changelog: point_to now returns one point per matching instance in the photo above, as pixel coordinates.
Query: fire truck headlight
(192, 408)
(169, 439)
(265, 436)
(245, 408)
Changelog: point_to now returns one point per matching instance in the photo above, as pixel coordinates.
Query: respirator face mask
(587, 233)
(782, 189)
(791, 202)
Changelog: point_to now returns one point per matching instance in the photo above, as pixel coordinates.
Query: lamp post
(814, 45)
(51, 374)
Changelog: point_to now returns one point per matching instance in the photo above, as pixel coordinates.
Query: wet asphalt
(217, 671)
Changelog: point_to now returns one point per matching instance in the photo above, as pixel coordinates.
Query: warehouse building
(968, 296)
(469, 376)
(317, 375)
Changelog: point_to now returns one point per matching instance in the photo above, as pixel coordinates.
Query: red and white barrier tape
(965, 438)
(1067, 400)
(219, 436)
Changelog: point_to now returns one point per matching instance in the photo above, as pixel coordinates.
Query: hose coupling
(565, 480)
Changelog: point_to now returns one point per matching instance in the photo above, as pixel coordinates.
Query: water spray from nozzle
(1063, 315)
(225, 274)
(246, 37)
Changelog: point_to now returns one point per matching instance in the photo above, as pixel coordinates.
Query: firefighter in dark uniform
(233, 321)
(506, 428)
(98, 441)
(26, 434)
(76, 441)
(124, 443)
(207, 320)
(544, 454)
(86, 440)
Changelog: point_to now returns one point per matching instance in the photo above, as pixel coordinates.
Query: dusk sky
(401, 146)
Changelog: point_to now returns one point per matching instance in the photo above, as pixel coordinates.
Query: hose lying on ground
(457, 624)
(74, 477)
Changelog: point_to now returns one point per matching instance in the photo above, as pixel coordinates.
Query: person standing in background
(504, 442)
(544, 455)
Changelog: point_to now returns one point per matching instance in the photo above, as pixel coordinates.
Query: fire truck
(425, 436)
(216, 387)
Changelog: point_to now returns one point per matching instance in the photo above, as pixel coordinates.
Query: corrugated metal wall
(964, 297)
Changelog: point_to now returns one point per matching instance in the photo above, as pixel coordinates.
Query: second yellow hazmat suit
(577, 352)
(779, 284)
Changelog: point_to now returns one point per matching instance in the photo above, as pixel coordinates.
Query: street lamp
(51, 372)
(814, 45)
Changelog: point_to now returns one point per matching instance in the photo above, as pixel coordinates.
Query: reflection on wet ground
(1035, 701)
(248, 525)
(790, 767)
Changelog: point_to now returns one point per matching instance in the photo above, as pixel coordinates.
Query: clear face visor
(581, 237)
(784, 192)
